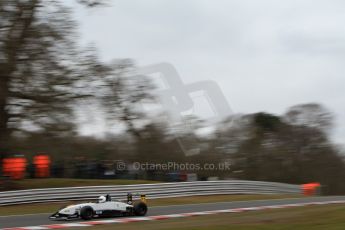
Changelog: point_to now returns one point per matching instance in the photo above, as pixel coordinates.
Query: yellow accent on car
(143, 198)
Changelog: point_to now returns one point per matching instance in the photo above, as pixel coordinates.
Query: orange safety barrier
(310, 189)
(42, 166)
(14, 167)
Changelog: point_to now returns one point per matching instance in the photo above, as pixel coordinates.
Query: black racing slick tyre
(86, 213)
(140, 209)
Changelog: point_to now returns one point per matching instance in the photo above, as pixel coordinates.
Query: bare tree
(312, 115)
(44, 73)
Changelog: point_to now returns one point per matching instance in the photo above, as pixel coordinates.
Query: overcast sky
(266, 55)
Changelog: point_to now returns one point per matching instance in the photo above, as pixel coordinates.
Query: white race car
(105, 207)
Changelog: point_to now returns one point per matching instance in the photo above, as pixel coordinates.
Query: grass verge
(66, 182)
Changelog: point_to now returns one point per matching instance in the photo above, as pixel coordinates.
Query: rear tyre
(140, 209)
(86, 213)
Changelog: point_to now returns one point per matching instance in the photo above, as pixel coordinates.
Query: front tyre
(140, 209)
(86, 213)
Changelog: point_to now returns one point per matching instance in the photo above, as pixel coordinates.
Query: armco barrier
(159, 190)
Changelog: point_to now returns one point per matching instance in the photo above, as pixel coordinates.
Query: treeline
(292, 148)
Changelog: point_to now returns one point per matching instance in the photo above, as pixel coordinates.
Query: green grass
(64, 182)
(51, 207)
(330, 217)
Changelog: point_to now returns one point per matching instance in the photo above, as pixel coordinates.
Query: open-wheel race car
(104, 207)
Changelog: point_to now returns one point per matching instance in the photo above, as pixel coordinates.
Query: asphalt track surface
(42, 219)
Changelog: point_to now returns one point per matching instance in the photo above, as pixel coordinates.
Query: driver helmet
(101, 199)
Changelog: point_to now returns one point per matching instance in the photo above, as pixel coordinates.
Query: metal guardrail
(159, 190)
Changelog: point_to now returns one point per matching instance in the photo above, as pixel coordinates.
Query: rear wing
(130, 197)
